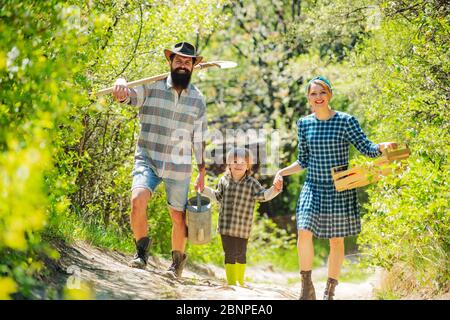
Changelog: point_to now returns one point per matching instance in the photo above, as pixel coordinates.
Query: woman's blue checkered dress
(324, 144)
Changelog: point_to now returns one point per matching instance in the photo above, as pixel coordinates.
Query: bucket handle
(199, 202)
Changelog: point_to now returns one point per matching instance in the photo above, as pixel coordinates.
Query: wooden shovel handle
(156, 78)
(134, 83)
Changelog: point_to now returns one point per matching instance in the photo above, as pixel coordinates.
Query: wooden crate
(346, 179)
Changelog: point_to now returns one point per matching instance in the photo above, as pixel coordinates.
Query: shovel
(202, 65)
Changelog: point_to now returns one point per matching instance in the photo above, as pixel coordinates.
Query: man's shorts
(176, 190)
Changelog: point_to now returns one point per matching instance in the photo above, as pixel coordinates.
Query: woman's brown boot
(329, 289)
(308, 292)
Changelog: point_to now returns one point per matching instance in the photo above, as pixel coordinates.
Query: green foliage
(334, 28)
(96, 149)
(387, 295)
(66, 158)
(269, 243)
(354, 272)
(403, 72)
(37, 62)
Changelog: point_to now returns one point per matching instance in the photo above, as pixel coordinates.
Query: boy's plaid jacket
(237, 203)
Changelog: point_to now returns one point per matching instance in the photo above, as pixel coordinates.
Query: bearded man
(172, 124)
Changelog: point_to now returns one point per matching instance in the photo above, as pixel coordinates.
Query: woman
(324, 141)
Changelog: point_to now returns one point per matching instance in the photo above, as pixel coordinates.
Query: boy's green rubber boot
(240, 273)
(230, 270)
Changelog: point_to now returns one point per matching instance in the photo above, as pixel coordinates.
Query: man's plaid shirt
(170, 127)
(237, 203)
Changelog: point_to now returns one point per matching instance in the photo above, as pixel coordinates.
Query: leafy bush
(37, 50)
(404, 87)
(66, 157)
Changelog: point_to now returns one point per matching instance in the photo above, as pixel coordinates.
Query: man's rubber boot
(240, 273)
(141, 257)
(230, 271)
(329, 289)
(308, 292)
(178, 262)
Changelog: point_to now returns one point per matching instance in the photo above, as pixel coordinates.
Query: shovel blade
(222, 64)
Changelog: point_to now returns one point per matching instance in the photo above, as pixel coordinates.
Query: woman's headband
(321, 78)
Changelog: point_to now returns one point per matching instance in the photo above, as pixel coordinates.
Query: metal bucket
(198, 213)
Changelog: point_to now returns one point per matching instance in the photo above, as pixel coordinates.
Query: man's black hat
(184, 49)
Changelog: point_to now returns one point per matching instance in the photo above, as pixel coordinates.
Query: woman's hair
(323, 82)
(242, 153)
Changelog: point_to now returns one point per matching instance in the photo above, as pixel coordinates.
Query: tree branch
(136, 44)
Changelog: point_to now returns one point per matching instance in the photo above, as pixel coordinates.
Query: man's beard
(180, 80)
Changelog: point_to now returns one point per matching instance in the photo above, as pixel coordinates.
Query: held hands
(278, 182)
(120, 91)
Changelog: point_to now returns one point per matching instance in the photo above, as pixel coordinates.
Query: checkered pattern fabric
(170, 127)
(324, 144)
(237, 203)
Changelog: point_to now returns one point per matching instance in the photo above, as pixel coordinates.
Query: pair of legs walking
(145, 182)
(306, 256)
(139, 201)
(138, 218)
(235, 250)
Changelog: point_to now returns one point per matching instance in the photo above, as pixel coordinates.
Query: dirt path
(108, 275)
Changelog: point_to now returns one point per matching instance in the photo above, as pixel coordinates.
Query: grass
(107, 238)
(353, 272)
(386, 295)
(282, 259)
(70, 228)
(287, 259)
